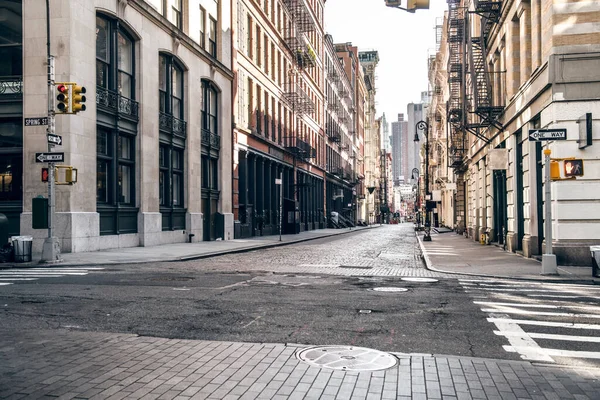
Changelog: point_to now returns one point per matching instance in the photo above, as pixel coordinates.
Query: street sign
(38, 121)
(56, 139)
(547, 134)
(49, 157)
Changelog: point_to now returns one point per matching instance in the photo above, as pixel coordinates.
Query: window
(114, 59)
(172, 12)
(115, 166)
(170, 86)
(212, 38)
(202, 24)
(209, 108)
(11, 177)
(266, 54)
(250, 44)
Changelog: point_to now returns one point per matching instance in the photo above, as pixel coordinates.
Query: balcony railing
(300, 148)
(113, 102)
(210, 139)
(172, 125)
(11, 86)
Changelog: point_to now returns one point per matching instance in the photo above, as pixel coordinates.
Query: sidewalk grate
(356, 266)
(347, 358)
(390, 289)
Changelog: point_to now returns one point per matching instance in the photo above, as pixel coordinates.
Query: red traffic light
(62, 88)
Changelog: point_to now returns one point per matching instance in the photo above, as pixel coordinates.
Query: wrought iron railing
(210, 139)
(113, 102)
(169, 123)
(11, 85)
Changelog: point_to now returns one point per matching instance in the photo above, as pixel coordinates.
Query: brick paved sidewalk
(68, 364)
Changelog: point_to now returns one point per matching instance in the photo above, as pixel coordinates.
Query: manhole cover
(417, 279)
(390, 289)
(347, 358)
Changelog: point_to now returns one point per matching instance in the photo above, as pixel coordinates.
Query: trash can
(595, 250)
(22, 248)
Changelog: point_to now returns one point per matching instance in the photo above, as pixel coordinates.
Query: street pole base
(51, 251)
(549, 265)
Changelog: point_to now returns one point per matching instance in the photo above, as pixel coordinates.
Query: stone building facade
(153, 148)
(531, 65)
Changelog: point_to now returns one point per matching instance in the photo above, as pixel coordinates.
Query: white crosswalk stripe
(542, 321)
(25, 275)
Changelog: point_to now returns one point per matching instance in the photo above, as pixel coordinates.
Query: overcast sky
(402, 39)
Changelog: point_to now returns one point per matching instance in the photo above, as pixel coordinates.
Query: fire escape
(467, 59)
(456, 83)
(484, 108)
(301, 22)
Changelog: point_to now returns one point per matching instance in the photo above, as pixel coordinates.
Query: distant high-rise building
(385, 137)
(415, 114)
(399, 149)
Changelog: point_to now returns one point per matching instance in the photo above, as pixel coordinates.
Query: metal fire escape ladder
(480, 79)
(294, 34)
(456, 74)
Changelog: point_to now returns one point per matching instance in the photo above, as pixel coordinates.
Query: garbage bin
(595, 250)
(22, 248)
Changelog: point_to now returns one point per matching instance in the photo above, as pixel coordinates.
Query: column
(524, 13)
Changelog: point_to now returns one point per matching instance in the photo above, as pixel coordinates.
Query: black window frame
(179, 12)
(114, 29)
(212, 36)
(202, 40)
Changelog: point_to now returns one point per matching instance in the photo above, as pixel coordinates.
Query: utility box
(39, 213)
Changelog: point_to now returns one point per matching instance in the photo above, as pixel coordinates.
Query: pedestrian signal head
(63, 98)
(573, 168)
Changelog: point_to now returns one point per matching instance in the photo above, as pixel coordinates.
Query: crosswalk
(25, 275)
(542, 321)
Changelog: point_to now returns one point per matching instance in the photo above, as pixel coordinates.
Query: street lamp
(422, 125)
(415, 176)
(411, 5)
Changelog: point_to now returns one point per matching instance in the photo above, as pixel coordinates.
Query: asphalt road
(257, 297)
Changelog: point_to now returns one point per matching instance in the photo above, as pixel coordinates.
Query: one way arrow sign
(547, 134)
(56, 139)
(49, 157)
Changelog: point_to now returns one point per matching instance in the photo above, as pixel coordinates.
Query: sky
(404, 40)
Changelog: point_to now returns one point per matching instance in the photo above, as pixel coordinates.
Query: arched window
(172, 142)
(116, 128)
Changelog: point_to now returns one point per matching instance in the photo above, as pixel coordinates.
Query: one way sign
(547, 134)
(49, 157)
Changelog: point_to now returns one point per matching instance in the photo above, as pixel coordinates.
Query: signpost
(549, 266)
(49, 157)
(547, 134)
(279, 181)
(37, 121)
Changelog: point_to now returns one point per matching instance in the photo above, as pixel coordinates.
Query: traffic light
(44, 174)
(573, 168)
(78, 98)
(417, 4)
(63, 105)
(554, 170)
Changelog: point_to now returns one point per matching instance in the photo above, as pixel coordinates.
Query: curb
(429, 266)
(183, 258)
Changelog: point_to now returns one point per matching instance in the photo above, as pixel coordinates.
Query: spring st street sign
(547, 134)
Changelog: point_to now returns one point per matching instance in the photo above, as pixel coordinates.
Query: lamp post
(422, 125)
(415, 176)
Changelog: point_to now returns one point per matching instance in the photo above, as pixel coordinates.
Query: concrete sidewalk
(182, 251)
(455, 254)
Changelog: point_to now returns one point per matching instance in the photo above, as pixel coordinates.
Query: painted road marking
(5, 283)
(550, 336)
(539, 301)
(494, 304)
(572, 325)
(556, 352)
(528, 348)
(31, 274)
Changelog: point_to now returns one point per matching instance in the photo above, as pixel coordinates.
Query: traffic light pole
(548, 259)
(51, 248)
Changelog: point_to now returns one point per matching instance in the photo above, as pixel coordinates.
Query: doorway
(500, 198)
(209, 219)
